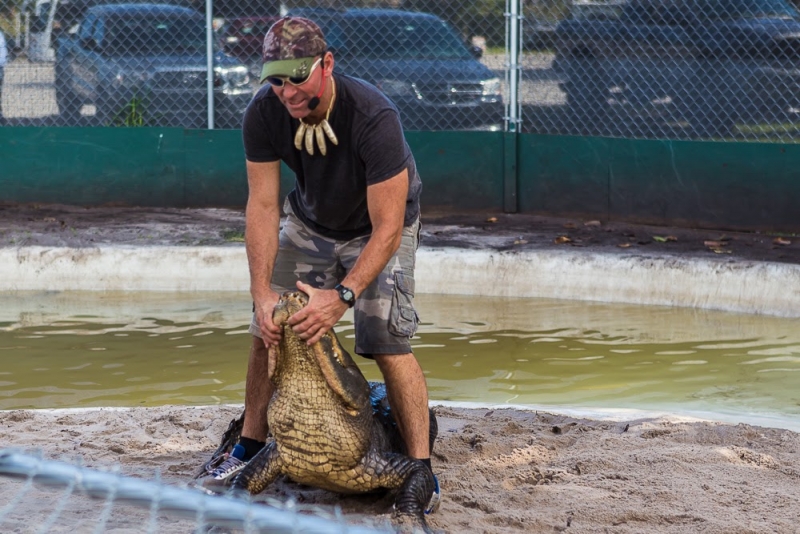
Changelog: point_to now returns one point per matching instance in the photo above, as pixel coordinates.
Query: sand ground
(501, 470)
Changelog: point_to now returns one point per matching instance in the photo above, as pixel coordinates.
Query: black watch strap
(346, 294)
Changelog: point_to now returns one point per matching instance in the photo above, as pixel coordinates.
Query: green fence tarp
(700, 184)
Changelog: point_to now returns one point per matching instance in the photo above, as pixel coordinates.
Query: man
(351, 231)
(3, 61)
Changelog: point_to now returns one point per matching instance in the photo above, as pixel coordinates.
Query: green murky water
(62, 350)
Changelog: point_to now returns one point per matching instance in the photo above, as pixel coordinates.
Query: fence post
(512, 119)
(210, 63)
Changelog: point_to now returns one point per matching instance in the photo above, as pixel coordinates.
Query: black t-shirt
(330, 193)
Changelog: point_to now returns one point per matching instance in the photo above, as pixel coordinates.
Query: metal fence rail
(205, 510)
(659, 69)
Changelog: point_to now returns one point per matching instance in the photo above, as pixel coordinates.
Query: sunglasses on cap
(280, 81)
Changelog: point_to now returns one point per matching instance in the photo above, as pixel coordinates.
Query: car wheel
(103, 115)
(69, 105)
(587, 92)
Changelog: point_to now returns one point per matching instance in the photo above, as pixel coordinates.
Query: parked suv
(417, 60)
(718, 62)
(146, 64)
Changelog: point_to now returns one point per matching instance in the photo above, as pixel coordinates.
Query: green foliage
(6, 23)
(6, 26)
(235, 236)
(9, 8)
(132, 114)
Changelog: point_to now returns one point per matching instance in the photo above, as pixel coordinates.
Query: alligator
(330, 427)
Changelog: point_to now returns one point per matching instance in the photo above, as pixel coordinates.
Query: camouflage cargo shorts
(384, 314)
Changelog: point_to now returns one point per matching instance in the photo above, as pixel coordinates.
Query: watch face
(346, 294)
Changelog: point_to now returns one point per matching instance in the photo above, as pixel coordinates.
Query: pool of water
(61, 350)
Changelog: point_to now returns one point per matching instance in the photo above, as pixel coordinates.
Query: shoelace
(225, 467)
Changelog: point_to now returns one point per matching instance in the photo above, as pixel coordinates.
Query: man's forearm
(261, 243)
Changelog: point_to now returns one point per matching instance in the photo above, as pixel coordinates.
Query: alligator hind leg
(259, 472)
(415, 492)
(411, 479)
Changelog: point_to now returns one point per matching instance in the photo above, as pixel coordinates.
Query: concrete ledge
(738, 286)
(125, 269)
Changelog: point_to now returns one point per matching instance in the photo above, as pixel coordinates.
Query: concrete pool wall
(736, 286)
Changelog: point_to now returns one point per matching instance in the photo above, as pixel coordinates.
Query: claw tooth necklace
(306, 133)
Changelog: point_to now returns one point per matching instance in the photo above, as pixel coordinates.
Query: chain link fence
(661, 69)
(96, 501)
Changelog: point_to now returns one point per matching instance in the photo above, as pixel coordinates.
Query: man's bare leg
(407, 391)
(258, 391)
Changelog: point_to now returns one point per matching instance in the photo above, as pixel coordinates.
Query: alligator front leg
(229, 439)
(259, 472)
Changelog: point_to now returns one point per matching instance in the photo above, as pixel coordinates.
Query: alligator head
(298, 363)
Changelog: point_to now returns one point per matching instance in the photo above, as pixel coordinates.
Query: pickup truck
(716, 62)
(146, 64)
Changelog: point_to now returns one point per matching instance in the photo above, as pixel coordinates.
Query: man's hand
(270, 333)
(323, 310)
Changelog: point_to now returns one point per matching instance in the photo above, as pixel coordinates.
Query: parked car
(717, 62)
(243, 37)
(43, 21)
(596, 9)
(419, 61)
(537, 34)
(146, 64)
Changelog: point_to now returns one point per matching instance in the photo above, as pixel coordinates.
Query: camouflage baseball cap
(291, 46)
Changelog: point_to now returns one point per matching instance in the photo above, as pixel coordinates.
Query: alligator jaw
(335, 365)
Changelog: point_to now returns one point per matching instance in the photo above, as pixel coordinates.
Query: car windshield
(400, 38)
(154, 34)
(745, 9)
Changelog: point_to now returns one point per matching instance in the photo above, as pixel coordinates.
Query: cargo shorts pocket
(403, 318)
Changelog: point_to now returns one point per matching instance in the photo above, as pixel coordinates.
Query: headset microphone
(314, 102)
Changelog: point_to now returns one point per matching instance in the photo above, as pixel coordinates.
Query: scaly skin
(332, 429)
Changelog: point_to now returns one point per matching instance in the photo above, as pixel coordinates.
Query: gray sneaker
(222, 475)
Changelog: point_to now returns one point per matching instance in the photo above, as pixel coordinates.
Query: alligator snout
(290, 303)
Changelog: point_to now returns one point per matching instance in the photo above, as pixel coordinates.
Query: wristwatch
(346, 294)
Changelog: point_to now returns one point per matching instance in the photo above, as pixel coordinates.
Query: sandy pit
(501, 471)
